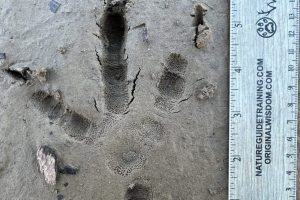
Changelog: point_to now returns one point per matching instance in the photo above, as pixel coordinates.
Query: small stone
(212, 191)
(66, 184)
(47, 161)
(60, 197)
(62, 50)
(69, 169)
(2, 56)
(166, 5)
(2, 62)
(54, 6)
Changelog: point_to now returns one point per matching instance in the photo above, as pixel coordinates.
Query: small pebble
(54, 6)
(212, 191)
(2, 56)
(68, 169)
(62, 50)
(60, 197)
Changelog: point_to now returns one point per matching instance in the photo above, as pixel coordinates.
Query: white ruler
(264, 47)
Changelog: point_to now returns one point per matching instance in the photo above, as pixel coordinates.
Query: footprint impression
(76, 125)
(114, 66)
(139, 190)
(171, 85)
(131, 145)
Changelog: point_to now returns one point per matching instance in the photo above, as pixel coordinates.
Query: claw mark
(98, 25)
(183, 100)
(126, 58)
(96, 35)
(134, 86)
(98, 57)
(139, 26)
(95, 105)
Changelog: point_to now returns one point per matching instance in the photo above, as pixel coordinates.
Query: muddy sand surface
(124, 99)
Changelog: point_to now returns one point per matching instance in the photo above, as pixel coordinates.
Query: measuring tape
(264, 47)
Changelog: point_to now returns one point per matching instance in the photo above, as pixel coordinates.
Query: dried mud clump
(207, 91)
(40, 74)
(203, 31)
(26, 74)
(47, 161)
(203, 36)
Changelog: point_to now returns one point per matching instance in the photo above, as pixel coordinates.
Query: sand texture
(131, 95)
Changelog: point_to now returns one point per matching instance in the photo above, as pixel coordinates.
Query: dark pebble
(68, 169)
(60, 197)
(2, 56)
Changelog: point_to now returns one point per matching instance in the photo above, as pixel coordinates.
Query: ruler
(264, 47)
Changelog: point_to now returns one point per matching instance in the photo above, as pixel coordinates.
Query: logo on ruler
(266, 26)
